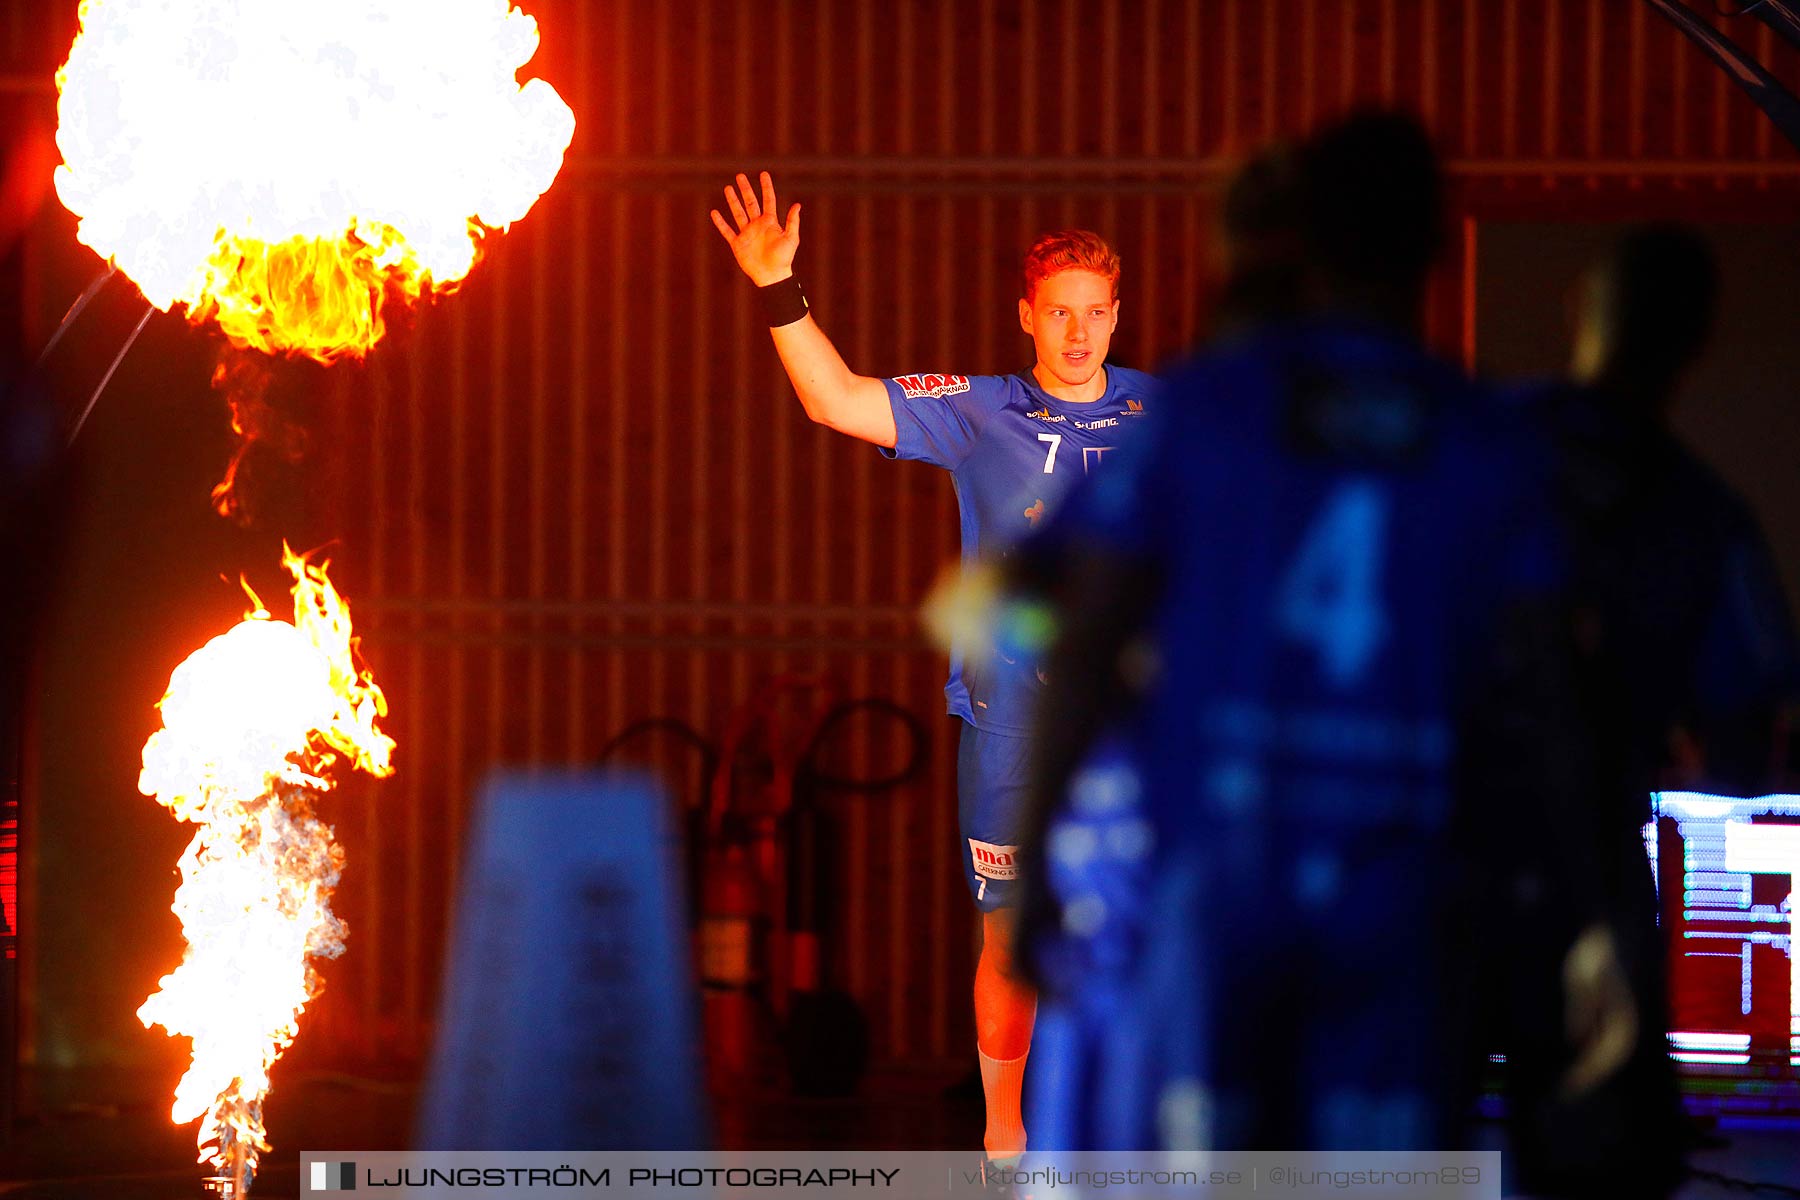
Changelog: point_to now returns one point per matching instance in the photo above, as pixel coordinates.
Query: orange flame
(283, 168)
(253, 722)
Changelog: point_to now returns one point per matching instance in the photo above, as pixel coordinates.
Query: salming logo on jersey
(919, 386)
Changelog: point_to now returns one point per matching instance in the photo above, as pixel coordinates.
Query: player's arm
(830, 391)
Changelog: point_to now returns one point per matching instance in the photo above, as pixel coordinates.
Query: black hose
(836, 716)
(676, 727)
(693, 832)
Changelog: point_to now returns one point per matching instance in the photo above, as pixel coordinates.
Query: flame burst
(252, 724)
(280, 167)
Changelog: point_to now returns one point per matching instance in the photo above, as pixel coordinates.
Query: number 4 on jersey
(1329, 596)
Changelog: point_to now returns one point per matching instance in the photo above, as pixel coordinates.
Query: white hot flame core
(192, 129)
(252, 723)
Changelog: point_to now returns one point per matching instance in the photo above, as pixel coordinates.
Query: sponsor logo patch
(1133, 409)
(919, 386)
(1044, 414)
(994, 862)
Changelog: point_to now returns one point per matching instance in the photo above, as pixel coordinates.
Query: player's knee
(998, 936)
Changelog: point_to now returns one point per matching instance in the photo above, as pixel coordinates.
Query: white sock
(1003, 1080)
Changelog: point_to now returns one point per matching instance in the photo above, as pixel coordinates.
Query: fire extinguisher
(741, 888)
(730, 934)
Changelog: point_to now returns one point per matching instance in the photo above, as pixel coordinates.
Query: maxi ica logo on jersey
(994, 861)
(919, 386)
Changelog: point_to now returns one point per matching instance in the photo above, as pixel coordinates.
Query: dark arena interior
(629, 816)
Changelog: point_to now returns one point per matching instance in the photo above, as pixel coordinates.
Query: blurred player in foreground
(1330, 576)
(1100, 827)
(1014, 445)
(1689, 655)
(1702, 656)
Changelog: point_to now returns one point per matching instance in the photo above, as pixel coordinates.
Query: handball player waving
(1014, 445)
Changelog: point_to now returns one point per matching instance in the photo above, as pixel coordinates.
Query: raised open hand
(761, 246)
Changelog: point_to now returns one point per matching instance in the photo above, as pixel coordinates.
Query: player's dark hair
(1371, 200)
(1664, 285)
(1262, 200)
(1260, 226)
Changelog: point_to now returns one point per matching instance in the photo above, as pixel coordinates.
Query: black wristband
(783, 302)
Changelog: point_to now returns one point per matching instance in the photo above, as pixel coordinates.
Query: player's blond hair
(1070, 250)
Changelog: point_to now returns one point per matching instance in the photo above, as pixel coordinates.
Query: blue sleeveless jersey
(1013, 452)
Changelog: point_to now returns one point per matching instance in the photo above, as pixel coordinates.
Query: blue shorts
(992, 770)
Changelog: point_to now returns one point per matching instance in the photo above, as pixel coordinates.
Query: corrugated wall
(580, 492)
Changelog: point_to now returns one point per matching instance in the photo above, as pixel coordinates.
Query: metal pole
(1775, 100)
